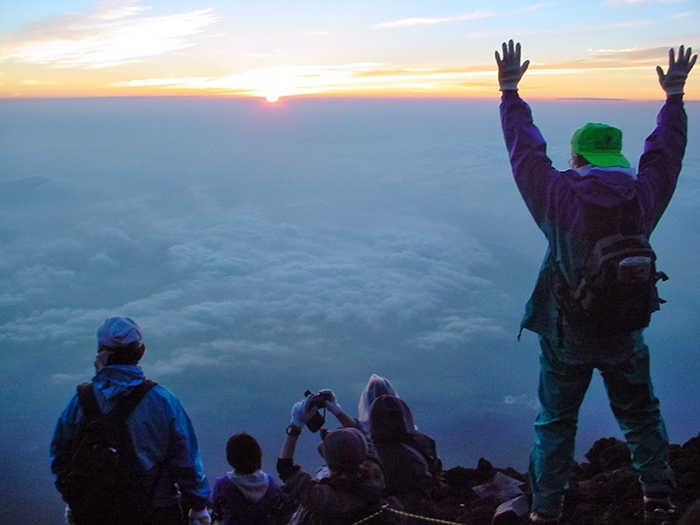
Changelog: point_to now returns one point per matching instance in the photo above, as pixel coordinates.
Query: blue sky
(273, 49)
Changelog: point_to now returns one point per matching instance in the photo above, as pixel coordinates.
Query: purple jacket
(574, 211)
(249, 501)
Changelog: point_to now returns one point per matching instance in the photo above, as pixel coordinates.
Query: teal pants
(566, 369)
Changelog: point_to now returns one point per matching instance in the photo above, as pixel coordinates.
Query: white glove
(673, 81)
(510, 71)
(302, 412)
(199, 517)
(331, 402)
(68, 516)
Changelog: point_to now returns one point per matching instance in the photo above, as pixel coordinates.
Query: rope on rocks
(386, 507)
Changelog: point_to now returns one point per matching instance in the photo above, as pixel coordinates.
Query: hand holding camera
(308, 411)
(331, 402)
(317, 402)
(303, 411)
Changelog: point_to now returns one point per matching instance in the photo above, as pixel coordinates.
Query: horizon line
(282, 99)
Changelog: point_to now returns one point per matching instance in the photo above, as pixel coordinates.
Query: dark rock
(468, 477)
(604, 490)
(609, 454)
(512, 512)
(692, 515)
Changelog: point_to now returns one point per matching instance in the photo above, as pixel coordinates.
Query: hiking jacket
(574, 211)
(245, 499)
(334, 500)
(161, 432)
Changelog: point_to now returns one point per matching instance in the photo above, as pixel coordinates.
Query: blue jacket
(574, 211)
(161, 432)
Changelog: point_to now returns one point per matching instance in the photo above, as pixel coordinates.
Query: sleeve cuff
(286, 467)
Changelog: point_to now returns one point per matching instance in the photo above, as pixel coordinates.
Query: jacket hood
(606, 187)
(390, 419)
(113, 380)
(253, 486)
(376, 386)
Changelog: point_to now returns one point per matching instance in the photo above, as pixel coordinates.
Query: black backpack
(616, 293)
(103, 484)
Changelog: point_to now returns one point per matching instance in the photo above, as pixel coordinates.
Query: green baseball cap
(600, 144)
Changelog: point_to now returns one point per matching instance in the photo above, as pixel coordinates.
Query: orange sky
(79, 48)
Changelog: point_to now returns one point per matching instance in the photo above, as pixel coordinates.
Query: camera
(317, 400)
(318, 419)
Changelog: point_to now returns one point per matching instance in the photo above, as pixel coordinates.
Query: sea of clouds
(266, 249)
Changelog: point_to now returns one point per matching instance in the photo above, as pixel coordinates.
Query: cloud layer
(267, 249)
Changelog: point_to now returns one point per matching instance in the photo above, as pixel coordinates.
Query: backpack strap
(128, 403)
(87, 400)
(124, 407)
(418, 455)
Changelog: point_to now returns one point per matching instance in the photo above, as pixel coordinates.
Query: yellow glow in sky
(274, 50)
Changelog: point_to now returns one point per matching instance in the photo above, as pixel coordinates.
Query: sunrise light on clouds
(274, 50)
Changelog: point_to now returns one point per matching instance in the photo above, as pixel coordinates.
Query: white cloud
(104, 38)
(522, 401)
(70, 379)
(218, 354)
(537, 7)
(32, 82)
(270, 285)
(640, 2)
(681, 16)
(281, 81)
(631, 23)
(457, 331)
(478, 14)
(418, 21)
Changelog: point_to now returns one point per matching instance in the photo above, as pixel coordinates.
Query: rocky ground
(604, 490)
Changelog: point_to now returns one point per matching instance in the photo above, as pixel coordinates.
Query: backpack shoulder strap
(128, 403)
(87, 400)
(419, 455)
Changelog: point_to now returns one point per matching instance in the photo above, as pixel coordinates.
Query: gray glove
(510, 71)
(673, 81)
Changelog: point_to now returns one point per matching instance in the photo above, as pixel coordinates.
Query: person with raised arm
(601, 197)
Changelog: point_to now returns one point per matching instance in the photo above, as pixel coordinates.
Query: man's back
(160, 430)
(104, 483)
(166, 467)
(575, 209)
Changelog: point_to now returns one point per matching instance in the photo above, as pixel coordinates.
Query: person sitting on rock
(411, 463)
